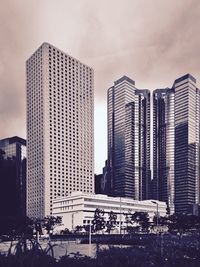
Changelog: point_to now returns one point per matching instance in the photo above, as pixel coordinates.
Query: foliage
(65, 231)
(183, 223)
(87, 228)
(50, 222)
(132, 229)
(76, 260)
(98, 222)
(21, 229)
(128, 216)
(79, 228)
(161, 220)
(14, 226)
(115, 257)
(111, 224)
(31, 258)
(141, 219)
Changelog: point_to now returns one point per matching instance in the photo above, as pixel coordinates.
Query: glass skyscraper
(163, 146)
(176, 153)
(13, 177)
(128, 140)
(187, 131)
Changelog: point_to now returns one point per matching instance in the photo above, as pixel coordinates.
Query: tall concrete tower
(60, 139)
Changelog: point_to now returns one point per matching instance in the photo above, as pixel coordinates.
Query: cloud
(153, 42)
(15, 29)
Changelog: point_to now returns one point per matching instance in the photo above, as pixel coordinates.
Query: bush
(148, 256)
(28, 259)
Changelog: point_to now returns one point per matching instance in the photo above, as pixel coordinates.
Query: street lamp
(120, 209)
(120, 216)
(161, 236)
(90, 240)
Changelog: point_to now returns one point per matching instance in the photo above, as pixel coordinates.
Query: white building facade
(60, 142)
(78, 208)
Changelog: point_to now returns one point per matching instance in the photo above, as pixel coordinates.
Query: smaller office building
(13, 177)
(78, 208)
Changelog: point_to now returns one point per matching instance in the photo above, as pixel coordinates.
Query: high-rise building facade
(187, 145)
(176, 153)
(13, 177)
(129, 140)
(163, 146)
(60, 143)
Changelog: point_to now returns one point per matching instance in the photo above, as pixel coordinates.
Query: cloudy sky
(151, 41)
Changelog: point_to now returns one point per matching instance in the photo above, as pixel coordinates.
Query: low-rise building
(79, 208)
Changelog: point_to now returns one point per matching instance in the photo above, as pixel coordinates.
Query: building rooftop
(184, 77)
(124, 78)
(14, 139)
(79, 194)
(58, 49)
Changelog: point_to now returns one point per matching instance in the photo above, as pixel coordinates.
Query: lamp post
(154, 202)
(90, 240)
(119, 193)
(120, 216)
(161, 235)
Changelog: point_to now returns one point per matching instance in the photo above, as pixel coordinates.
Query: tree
(128, 220)
(50, 222)
(79, 228)
(168, 210)
(65, 231)
(98, 222)
(112, 221)
(161, 220)
(141, 219)
(183, 222)
(16, 226)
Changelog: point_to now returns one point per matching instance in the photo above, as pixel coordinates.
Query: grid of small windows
(35, 147)
(60, 107)
(9, 149)
(70, 124)
(129, 139)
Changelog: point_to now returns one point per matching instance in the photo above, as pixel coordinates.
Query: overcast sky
(151, 41)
